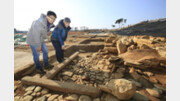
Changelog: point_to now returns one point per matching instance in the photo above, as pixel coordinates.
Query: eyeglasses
(50, 18)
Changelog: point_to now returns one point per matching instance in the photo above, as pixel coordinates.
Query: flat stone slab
(67, 87)
(143, 58)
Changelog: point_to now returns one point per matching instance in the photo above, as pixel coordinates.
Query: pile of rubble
(143, 52)
(136, 59)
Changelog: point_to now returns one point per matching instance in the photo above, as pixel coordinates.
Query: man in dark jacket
(58, 37)
(35, 38)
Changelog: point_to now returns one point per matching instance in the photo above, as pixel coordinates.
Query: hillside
(156, 28)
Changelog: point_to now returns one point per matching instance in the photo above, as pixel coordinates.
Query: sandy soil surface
(23, 58)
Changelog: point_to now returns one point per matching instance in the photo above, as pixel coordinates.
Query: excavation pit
(84, 48)
(87, 67)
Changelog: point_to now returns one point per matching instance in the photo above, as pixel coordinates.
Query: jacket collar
(62, 24)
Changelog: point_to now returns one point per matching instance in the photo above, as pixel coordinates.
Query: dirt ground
(22, 58)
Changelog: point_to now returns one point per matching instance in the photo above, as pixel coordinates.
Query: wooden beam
(56, 69)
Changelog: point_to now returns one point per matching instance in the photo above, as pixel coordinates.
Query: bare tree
(76, 28)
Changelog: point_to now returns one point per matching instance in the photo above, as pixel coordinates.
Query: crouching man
(58, 37)
(35, 38)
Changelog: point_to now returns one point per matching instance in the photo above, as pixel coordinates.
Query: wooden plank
(56, 69)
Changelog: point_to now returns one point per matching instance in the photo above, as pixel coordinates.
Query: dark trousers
(58, 50)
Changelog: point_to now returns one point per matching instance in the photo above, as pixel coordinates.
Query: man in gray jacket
(35, 38)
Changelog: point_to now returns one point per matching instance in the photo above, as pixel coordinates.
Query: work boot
(41, 71)
(49, 66)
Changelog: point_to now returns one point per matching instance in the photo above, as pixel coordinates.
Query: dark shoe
(48, 66)
(62, 59)
(41, 71)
